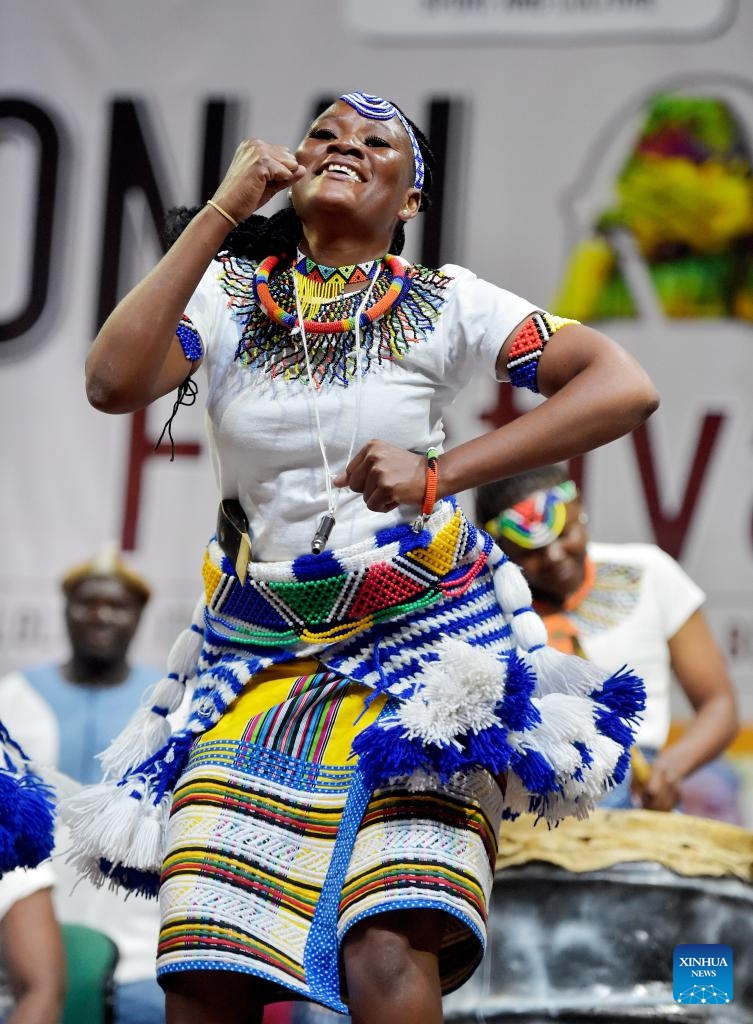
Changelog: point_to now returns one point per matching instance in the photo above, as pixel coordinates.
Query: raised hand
(257, 172)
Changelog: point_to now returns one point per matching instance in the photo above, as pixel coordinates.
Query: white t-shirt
(262, 423)
(640, 599)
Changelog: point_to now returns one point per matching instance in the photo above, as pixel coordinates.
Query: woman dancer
(373, 691)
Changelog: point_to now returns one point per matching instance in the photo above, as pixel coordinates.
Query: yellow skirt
(275, 848)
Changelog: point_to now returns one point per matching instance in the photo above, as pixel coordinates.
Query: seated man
(65, 714)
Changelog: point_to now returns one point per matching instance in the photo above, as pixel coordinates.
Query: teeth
(344, 170)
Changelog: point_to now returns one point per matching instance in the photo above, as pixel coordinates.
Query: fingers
(258, 171)
(661, 793)
(385, 475)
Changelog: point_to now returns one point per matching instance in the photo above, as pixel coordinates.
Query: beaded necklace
(396, 292)
(317, 284)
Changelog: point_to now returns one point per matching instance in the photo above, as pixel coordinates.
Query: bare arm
(137, 357)
(596, 393)
(35, 960)
(701, 670)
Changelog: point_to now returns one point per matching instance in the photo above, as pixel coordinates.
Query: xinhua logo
(702, 974)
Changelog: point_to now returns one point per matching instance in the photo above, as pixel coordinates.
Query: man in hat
(619, 604)
(64, 715)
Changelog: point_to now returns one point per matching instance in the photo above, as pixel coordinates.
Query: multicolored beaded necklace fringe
(267, 345)
(318, 284)
(395, 294)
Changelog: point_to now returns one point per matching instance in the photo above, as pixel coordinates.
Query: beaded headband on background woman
(537, 520)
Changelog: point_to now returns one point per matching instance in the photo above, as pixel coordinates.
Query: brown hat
(107, 563)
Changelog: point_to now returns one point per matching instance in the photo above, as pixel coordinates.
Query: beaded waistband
(336, 595)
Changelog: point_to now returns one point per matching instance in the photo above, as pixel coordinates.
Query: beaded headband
(537, 520)
(377, 109)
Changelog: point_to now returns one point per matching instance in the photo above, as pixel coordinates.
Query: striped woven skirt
(276, 848)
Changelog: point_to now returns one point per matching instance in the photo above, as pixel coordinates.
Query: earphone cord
(332, 497)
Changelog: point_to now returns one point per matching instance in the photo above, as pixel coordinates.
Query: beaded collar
(332, 281)
(396, 292)
(270, 346)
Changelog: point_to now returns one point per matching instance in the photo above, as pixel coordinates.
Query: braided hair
(258, 236)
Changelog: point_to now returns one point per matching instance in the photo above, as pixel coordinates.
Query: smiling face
(102, 615)
(359, 169)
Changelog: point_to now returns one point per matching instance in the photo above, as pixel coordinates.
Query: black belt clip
(232, 536)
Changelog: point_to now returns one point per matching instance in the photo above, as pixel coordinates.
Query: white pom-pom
(511, 588)
(528, 630)
(459, 693)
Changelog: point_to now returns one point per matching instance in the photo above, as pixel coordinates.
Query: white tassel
(564, 673)
(184, 654)
(517, 797)
(144, 735)
(148, 842)
(514, 598)
(511, 588)
(148, 731)
(168, 694)
(102, 820)
(87, 867)
(528, 630)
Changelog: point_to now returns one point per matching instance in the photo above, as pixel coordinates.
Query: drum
(584, 920)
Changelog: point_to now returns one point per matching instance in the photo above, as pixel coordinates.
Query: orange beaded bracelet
(430, 494)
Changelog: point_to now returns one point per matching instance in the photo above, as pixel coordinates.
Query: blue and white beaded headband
(377, 109)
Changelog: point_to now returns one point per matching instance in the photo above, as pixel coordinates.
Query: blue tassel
(490, 749)
(586, 756)
(621, 768)
(28, 819)
(535, 772)
(609, 723)
(516, 709)
(382, 756)
(624, 692)
(143, 883)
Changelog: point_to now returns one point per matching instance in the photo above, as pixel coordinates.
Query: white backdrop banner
(112, 112)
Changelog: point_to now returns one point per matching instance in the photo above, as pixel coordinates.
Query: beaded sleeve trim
(190, 339)
(270, 347)
(527, 347)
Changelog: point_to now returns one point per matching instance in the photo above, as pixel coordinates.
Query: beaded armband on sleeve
(190, 339)
(528, 344)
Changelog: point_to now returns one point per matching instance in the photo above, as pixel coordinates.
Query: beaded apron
(441, 621)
